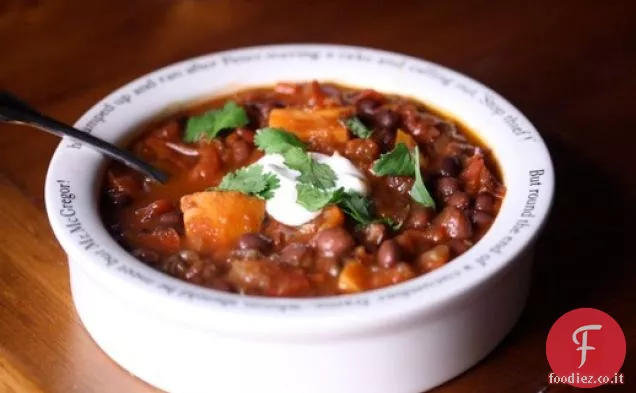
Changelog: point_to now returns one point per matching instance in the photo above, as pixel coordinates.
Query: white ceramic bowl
(406, 338)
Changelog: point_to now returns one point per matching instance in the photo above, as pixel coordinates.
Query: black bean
(174, 266)
(422, 127)
(189, 256)
(447, 186)
(482, 219)
(255, 241)
(389, 253)
(384, 138)
(366, 106)
(258, 112)
(418, 218)
(241, 151)
(186, 264)
(119, 198)
(459, 246)
(253, 114)
(194, 264)
(116, 231)
(460, 200)
(449, 166)
(147, 256)
(374, 235)
(455, 223)
(401, 184)
(450, 129)
(294, 253)
(173, 220)
(386, 118)
(409, 241)
(434, 258)
(210, 271)
(485, 203)
(333, 242)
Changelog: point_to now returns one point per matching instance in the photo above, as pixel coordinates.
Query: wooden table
(569, 65)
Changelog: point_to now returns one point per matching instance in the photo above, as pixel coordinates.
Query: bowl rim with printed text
(75, 173)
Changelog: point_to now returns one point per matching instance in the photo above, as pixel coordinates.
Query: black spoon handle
(14, 110)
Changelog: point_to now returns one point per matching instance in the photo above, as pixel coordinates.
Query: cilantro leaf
(314, 199)
(397, 162)
(361, 209)
(419, 192)
(273, 182)
(395, 226)
(311, 172)
(319, 175)
(209, 124)
(296, 158)
(276, 140)
(357, 206)
(252, 181)
(357, 127)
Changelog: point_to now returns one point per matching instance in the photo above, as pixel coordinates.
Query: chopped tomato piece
(161, 239)
(478, 178)
(154, 209)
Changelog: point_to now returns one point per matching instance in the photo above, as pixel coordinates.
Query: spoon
(14, 110)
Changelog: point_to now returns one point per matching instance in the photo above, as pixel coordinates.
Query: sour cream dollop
(283, 206)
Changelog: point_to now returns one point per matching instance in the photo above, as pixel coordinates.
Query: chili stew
(304, 189)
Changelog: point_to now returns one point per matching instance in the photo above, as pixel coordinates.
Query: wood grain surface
(568, 65)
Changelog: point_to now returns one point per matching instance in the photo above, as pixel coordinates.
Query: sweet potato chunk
(393, 275)
(216, 219)
(353, 277)
(407, 139)
(322, 126)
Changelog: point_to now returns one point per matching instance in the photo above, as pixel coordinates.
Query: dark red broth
(331, 254)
